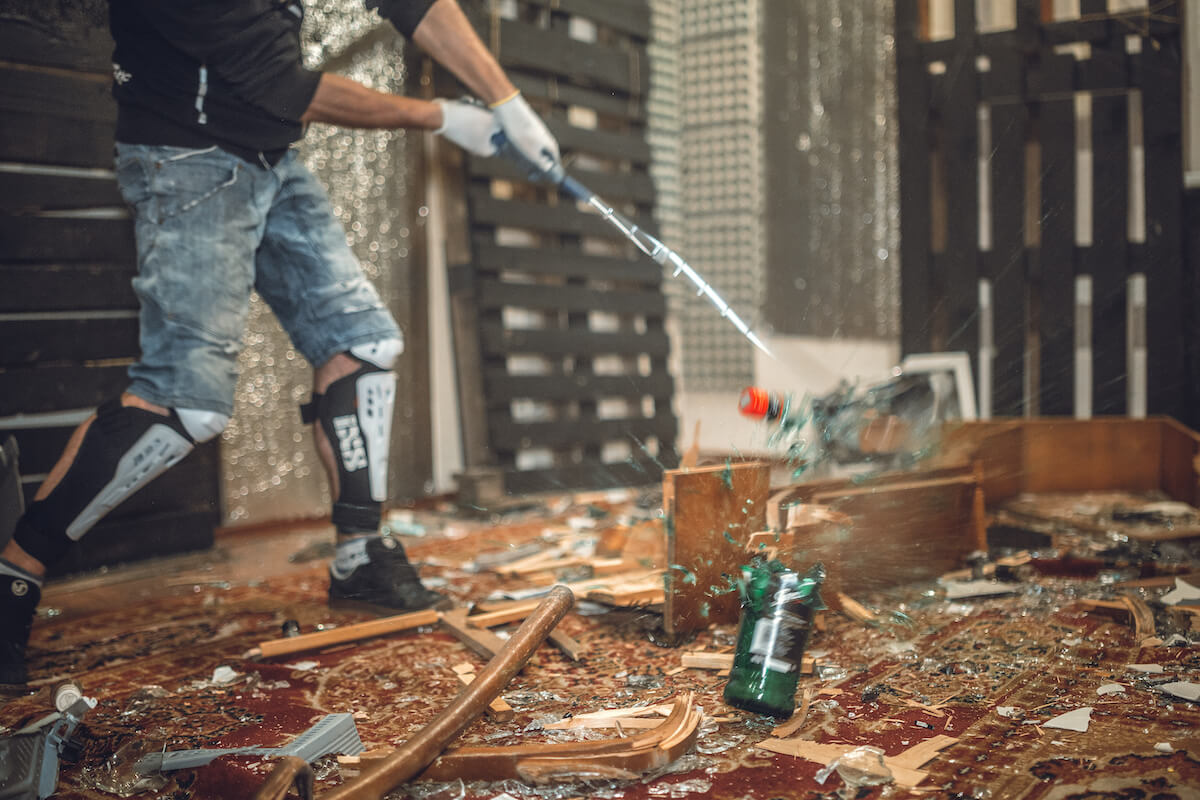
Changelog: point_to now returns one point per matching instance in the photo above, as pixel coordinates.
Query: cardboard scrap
(983, 588)
(1110, 688)
(1182, 593)
(1185, 690)
(1150, 669)
(1077, 720)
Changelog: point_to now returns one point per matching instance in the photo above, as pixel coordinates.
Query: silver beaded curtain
(271, 471)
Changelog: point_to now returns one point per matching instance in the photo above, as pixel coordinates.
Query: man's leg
(309, 276)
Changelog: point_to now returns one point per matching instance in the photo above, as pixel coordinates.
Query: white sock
(9, 568)
(351, 554)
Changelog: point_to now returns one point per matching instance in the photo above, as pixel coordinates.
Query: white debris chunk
(984, 588)
(1164, 747)
(303, 666)
(1072, 642)
(1111, 688)
(1076, 720)
(1182, 593)
(1185, 690)
(1155, 669)
(1008, 711)
(223, 675)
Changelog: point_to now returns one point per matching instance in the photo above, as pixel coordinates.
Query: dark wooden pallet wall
(564, 319)
(68, 326)
(1028, 83)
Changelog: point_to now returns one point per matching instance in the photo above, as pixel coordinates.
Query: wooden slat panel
(43, 139)
(1006, 261)
(66, 239)
(621, 146)
(567, 263)
(1055, 260)
(23, 191)
(500, 294)
(591, 474)
(1164, 258)
(604, 101)
(27, 342)
(510, 435)
(615, 187)
(58, 388)
(524, 46)
(913, 108)
(66, 287)
(1106, 258)
(498, 341)
(79, 41)
(503, 388)
(56, 93)
(562, 219)
(632, 19)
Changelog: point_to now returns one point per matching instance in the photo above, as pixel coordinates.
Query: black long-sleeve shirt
(194, 73)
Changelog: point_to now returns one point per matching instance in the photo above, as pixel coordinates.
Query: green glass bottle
(777, 615)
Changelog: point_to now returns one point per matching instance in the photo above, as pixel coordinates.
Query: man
(211, 94)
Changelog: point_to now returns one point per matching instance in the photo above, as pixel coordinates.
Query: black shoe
(387, 583)
(18, 601)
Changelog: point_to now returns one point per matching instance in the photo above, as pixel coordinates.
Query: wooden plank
(711, 513)
(30, 191)
(592, 474)
(1005, 264)
(610, 102)
(501, 294)
(961, 126)
(630, 146)
(497, 340)
(567, 263)
(632, 19)
(1178, 473)
(481, 641)
(498, 709)
(913, 111)
(502, 388)
(72, 36)
(67, 287)
(1097, 454)
(509, 435)
(65, 95)
(562, 219)
(59, 388)
(345, 633)
(1054, 124)
(614, 187)
(527, 47)
(1165, 270)
(1106, 259)
(43, 139)
(28, 342)
(57, 239)
(512, 612)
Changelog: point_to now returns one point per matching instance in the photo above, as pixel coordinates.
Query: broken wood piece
(627, 723)
(1129, 607)
(662, 710)
(852, 608)
(710, 513)
(498, 709)
(922, 753)
(479, 640)
(798, 716)
(514, 612)
(343, 634)
(700, 660)
(569, 761)
(691, 456)
(569, 646)
(647, 589)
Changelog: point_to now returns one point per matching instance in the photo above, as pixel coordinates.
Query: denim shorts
(210, 227)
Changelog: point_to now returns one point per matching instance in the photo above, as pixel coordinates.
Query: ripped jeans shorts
(209, 228)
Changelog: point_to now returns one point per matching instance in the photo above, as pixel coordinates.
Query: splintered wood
(711, 513)
(346, 633)
(497, 709)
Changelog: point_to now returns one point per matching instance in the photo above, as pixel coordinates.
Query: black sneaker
(18, 601)
(387, 583)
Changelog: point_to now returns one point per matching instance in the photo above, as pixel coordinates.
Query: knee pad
(355, 412)
(124, 449)
(202, 425)
(382, 353)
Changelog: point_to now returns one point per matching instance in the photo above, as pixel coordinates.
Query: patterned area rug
(987, 672)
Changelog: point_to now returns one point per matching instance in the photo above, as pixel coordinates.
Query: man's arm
(446, 35)
(342, 101)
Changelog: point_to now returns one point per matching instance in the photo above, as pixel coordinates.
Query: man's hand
(528, 135)
(468, 126)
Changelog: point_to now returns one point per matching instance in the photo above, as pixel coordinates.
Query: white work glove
(469, 126)
(529, 136)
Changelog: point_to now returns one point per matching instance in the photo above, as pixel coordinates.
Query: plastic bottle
(776, 623)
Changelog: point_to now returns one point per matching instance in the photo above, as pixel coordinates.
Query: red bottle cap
(754, 402)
